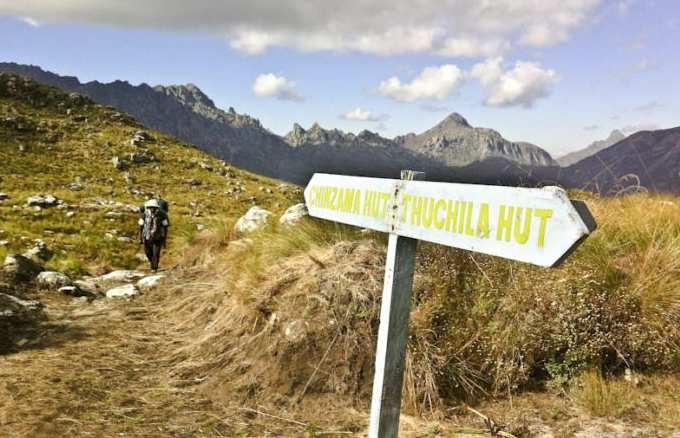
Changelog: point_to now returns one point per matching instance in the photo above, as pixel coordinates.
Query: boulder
(39, 251)
(53, 280)
(74, 291)
(42, 201)
(256, 218)
(21, 267)
(294, 214)
(117, 163)
(116, 278)
(12, 306)
(127, 290)
(148, 283)
(87, 286)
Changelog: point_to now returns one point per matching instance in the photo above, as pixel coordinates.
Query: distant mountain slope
(574, 157)
(651, 158)
(456, 143)
(102, 164)
(185, 112)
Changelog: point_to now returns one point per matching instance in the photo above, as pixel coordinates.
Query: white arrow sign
(539, 226)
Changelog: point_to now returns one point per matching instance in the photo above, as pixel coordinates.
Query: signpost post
(538, 226)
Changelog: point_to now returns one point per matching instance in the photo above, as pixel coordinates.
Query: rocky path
(101, 369)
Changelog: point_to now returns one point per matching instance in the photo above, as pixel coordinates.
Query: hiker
(153, 230)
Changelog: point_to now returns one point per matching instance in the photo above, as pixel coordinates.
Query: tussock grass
(480, 326)
(603, 398)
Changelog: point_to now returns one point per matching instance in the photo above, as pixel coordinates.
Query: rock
(194, 182)
(70, 214)
(116, 278)
(4, 242)
(125, 239)
(74, 291)
(296, 331)
(23, 148)
(87, 286)
(294, 214)
(39, 251)
(42, 201)
(141, 158)
(21, 267)
(148, 283)
(127, 290)
(4, 196)
(255, 219)
(117, 163)
(12, 306)
(52, 280)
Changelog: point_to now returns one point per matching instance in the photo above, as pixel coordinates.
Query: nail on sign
(538, 226)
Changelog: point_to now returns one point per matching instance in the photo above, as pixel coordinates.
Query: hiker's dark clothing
(153, 239)
(153, 253)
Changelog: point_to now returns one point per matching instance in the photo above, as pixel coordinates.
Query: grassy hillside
(63, 144)
(481, 327)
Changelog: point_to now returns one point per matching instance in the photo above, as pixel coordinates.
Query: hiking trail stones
(118, 163)
(124, 291)
(21, 267)
(12, 306)
(53, 280)
(294, 214)
(148, 283)
(256, 218)
(117, 278)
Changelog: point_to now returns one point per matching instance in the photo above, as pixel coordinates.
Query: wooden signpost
(538, 226)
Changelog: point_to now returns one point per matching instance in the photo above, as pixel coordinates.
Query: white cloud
(433, 82)
(386, 27)
(276, 86)
(488, 71)
(30, 21)
(522, 86)
(360, 115)
(433, 107)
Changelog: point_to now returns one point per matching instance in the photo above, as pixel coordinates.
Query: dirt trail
(101, 369)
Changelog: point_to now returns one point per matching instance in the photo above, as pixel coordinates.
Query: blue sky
(557, 76)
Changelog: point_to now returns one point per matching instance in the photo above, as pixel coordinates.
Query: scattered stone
(70, 214)
(194, 182)
(148, 283)
(141, 158)
(12, 306)
(116, 278)
(127, 290)
(4, 196)
(21, 267)
(74, 291)
(294, 214)
(39, 251)
(4, 242)
(23, 148)
(296, 331)
(52, 280)
(205, 166)
(117, 163)
(42, 201)
(125, 239)
(255, 219)
(113, 213)
(87, 286)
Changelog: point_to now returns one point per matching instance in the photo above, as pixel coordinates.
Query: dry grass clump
(603, 398)
(479, 325)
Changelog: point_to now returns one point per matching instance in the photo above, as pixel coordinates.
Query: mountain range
(453, 150)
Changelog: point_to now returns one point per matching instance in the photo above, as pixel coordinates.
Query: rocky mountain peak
(189, 95)
(454, 120)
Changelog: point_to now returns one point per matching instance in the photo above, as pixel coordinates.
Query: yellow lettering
(504, 223)
(357, 201)
(468, 219)
(522, 236)
(451, 216)
(439, 223)
(461, 217)
(483, 221)
(543, 214)
(416, 207)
